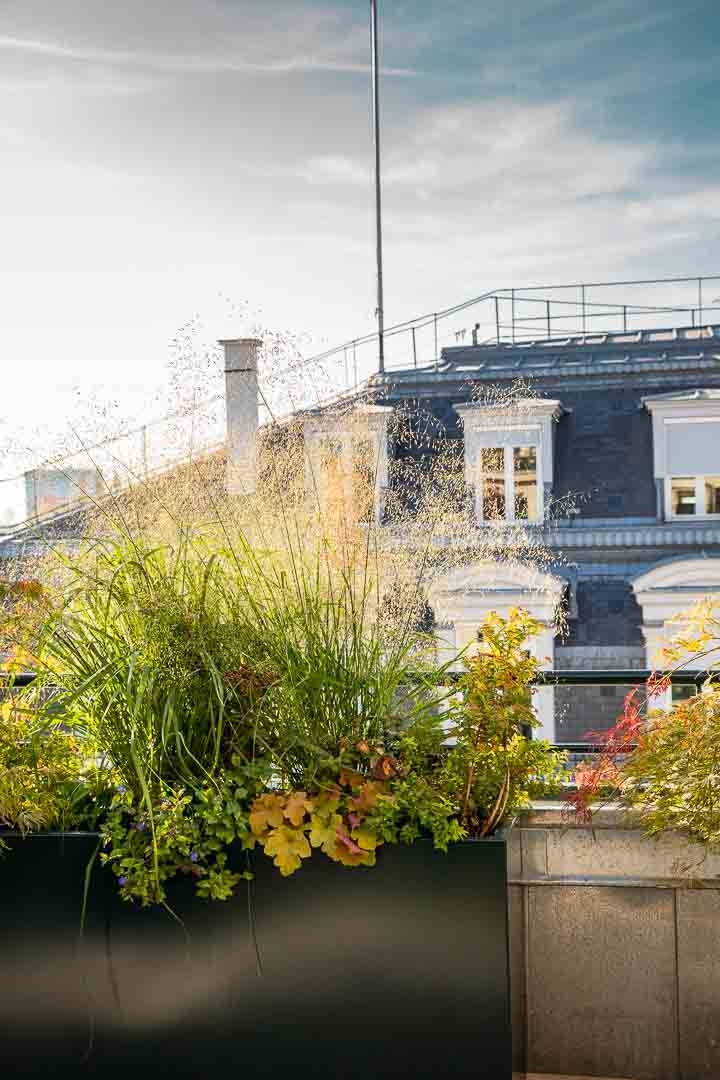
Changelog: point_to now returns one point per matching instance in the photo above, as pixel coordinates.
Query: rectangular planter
(396, 970)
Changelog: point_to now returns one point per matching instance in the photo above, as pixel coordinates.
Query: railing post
(497, 320)
(700, 300)
(435, 324)
(414, 345)
(512, 315)
(582, 297)
(549, 332)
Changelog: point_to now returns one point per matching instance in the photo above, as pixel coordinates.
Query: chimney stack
(241, 401)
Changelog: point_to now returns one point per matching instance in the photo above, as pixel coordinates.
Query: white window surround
(674, 415)
(365, 422)
(527, 422)
(665, 593)
(463, 598)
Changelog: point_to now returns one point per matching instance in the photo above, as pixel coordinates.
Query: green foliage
(47, 780)
(472, 766)
(173, 659)
(664, 766)
(145, 653)
(181, 832)
(672, 779)
(237, 699)
(493, 763)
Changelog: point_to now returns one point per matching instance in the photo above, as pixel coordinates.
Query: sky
(207, 165)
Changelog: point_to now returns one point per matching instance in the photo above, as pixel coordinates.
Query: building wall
(604, 456)
(603, 470)
(614, 950)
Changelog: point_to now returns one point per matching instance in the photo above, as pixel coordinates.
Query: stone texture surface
(615, 951)
(626, 853)
(698, 930)
(601, 982)
(516, 924)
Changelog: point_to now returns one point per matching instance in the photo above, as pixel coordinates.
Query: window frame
(365, 424)
(509, 483)
(699, 499)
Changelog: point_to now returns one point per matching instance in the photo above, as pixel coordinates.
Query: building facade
(608, 448)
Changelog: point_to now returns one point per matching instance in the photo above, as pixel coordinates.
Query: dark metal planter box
(396, 971)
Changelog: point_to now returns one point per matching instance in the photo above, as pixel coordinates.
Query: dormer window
(686, 452)
(509, 458)
(346, 461)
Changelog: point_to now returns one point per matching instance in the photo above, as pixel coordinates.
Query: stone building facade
(608, 447)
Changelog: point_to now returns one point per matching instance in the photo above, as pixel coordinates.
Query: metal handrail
(553, 677)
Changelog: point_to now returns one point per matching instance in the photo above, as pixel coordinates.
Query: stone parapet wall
(615, 950)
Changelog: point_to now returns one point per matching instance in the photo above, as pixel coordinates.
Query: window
(346, 462)
(508, 484)
(694, 496)
(525, 481)
(712, 494)
(682, 693)
(686, 452)
(509, 456)
(492, 483)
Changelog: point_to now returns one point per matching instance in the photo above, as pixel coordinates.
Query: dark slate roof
(668, 350)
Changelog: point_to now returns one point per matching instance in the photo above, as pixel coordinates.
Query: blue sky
(181, 158)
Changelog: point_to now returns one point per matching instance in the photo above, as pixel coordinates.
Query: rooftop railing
(688, 677)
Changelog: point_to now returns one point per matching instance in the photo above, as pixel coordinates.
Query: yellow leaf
(326, 805)
(289, 846)
(365, 839)
(323, 832)
(349, 858)
(297, 806)
(266, 813)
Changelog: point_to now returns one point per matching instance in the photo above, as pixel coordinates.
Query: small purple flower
(194, 856)
(121, 789)
(140, 826)
(122, 881)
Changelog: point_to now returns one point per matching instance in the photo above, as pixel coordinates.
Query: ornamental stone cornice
(633, 536)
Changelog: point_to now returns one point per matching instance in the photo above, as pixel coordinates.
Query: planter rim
(496, 839)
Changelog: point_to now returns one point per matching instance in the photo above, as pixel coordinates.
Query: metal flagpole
(378, 197)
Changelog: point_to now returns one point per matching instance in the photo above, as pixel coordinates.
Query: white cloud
(192, 63)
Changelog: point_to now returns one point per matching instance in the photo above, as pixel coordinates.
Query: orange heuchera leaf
(350, 778)
(385, 768)
(368, 795)
(297, 806)
(353, 858)
(289, 846)
(266, 813)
